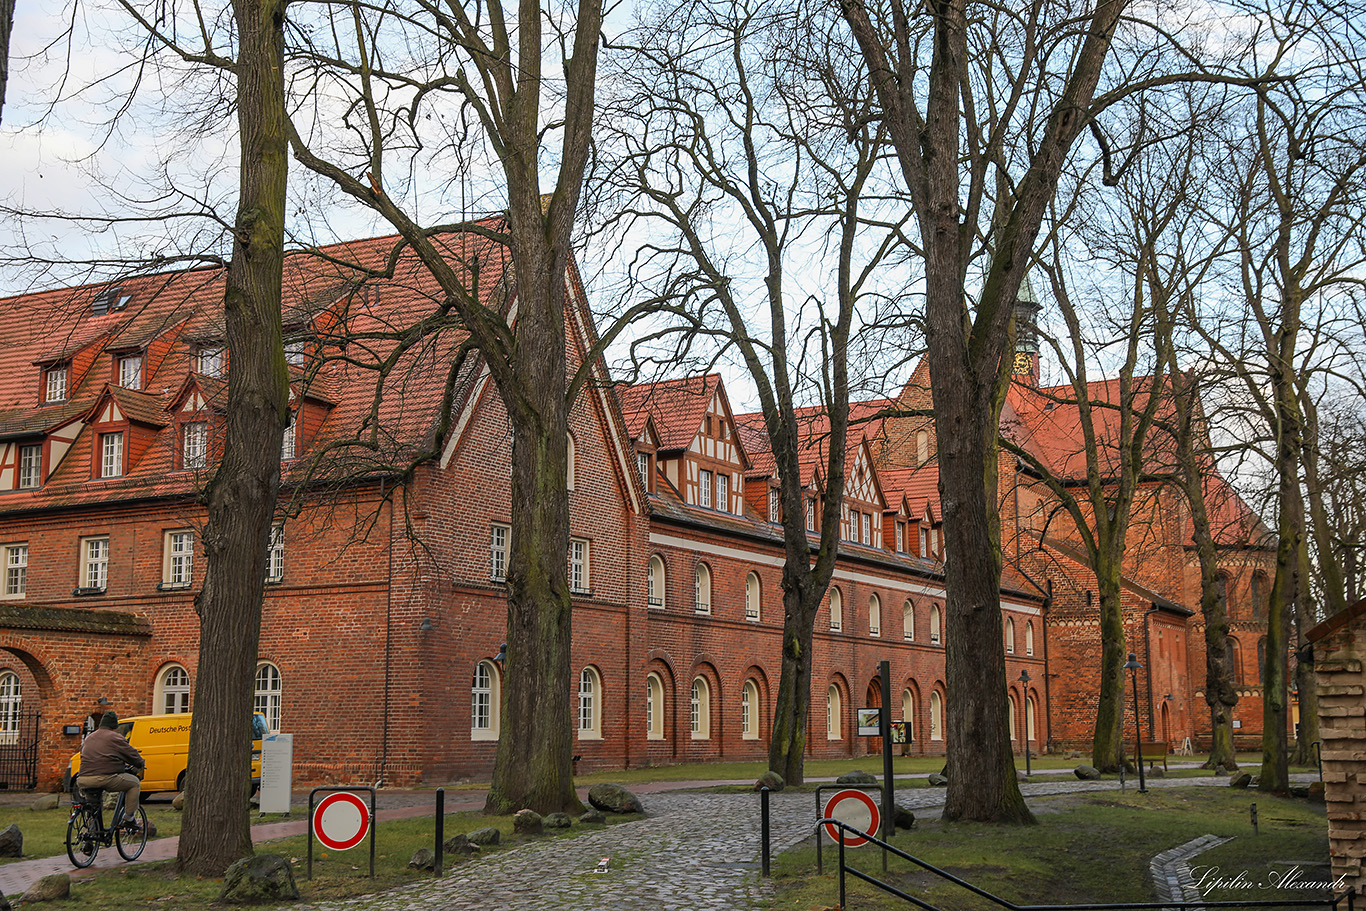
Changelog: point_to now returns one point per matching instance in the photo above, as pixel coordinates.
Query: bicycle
(86, 832)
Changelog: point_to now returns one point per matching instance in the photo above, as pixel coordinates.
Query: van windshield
(125, 728)
(258, 727)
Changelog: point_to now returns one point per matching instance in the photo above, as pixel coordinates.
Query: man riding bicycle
(104, 756)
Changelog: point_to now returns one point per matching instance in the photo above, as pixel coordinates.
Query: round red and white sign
(853, 808)
(341, 820)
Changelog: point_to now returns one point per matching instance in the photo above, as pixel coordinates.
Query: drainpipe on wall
(388, 635)
(1047, 677)
(1148, 661)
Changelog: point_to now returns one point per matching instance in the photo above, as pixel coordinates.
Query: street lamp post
(1132, 666)
(1024, 682)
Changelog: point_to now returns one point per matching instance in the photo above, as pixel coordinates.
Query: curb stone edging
(1171, 870)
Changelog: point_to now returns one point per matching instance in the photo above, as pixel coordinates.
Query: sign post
(341, 820)
(888, 788)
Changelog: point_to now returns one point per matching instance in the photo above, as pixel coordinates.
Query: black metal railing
(1347, 899)
(19, 753)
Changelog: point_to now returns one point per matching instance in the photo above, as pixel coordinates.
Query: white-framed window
(1010, 636)
(704, 488)
(936, 716)
(267, 697)
(934, 541)
(833, 713)
(210, 361)
(752, 596)
(111, 454)
(95, 563)
(1012, 707)
(908, 713)
(499, 535)
(908, 620)
(590, 704)
(723, 491)
(702, 589)
(296, 353)
(935, 637)
(901, 537)
(11, 702)
(749, 711)
(16, 570)
(570, 458)
(874, 615)
(867, 536)
(275, 554)
(289, 441)
(30, 466)
(578, 566)
(484, 702)
(54, 387)
(654, 707)
(194, 451)
(1029, 638)
(1029, 719)
(699, 709)
(810, 513)
(178, 570)
(925, 541)
(836, 610)
(775, 512)
(654, 582)
(172, 691)
(643, 466)
(130, 371)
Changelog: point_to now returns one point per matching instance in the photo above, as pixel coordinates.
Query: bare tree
(739, 152)
(979, 99)
(6, 28)
(407, 73)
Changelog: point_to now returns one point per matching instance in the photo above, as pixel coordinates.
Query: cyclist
(104, 757)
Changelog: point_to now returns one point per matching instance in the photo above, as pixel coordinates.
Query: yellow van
(164, 742)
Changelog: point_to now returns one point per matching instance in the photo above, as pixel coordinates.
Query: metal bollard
(843, 903)
(763, 831)
(1254, 820)
(439, 853)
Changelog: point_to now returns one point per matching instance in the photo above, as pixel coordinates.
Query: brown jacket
(105, 752)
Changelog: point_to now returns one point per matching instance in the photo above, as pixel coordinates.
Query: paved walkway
(695, 850)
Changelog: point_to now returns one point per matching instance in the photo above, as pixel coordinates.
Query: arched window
(874, 616)
(908, 713)
(1261, 661)
(1029, 719)
(1013, 708)
(485, 699)
(172, 691)
(922, 447)
(1029, 637)
(833, 712)
(11, 700)
(654, 707)
(590, 705)
(908, 620)
(702, 589)
(1010, 636)
(269, 687)
(836, 610)
(699, 709)
(935, 638)
(1231, 657)
(936, 716)
(752, 596)
(569, 461)
(654, 581)
(1258, 594)
(749, 711)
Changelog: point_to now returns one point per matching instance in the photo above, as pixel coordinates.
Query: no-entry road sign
(341, 820)
(853, 808)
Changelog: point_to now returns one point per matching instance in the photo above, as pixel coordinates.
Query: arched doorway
(1166, 722)
(873, 701)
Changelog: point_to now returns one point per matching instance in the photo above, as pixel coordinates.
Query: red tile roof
(678, 408)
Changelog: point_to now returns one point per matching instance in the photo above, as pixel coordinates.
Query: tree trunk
(6, 28)
(241, 496)
(792, 708)
(533, 766)
(1107, 739)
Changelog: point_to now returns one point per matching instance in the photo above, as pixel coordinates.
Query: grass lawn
(1085, 848)
(335, 874)
(45, 830)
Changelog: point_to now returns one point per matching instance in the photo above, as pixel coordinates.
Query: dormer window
(774, 506)
(109, 299)
(55, 380)
(194, 453)
(30, 466)
(111, 455)
(130, 371)
(209, 361)
(288, 441)
(296, 354)
(723, 492)
(704, 488)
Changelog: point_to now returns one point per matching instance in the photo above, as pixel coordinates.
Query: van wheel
(180, 782)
